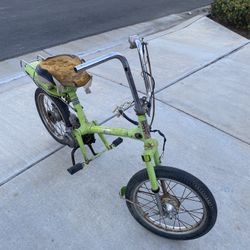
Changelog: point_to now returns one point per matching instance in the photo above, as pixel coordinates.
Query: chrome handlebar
(135, 42)
(114, 55)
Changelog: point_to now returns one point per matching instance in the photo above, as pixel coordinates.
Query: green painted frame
(150, 155)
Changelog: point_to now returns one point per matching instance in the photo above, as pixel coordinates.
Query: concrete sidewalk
(202, 74)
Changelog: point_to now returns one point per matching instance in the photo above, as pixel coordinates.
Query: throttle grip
(132, 41)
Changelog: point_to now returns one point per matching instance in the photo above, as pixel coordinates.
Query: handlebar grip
(132, 41)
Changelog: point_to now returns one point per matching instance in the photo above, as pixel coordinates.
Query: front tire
(190, 209)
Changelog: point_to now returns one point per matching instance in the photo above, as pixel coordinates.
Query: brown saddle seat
(61, 68)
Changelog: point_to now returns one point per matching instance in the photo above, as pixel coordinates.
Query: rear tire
(54, 114)
(200, 218)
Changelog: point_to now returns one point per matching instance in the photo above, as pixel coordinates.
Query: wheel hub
(54, 115)
(170, 205)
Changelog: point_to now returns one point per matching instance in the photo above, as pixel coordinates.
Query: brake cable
(152, 98)
(121, 112)
(164, 140)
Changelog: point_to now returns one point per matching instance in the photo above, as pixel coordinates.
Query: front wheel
(188, 207)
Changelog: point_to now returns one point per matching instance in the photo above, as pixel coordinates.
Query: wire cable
(164, 140)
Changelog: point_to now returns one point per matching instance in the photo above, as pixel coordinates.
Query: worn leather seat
(61, 68)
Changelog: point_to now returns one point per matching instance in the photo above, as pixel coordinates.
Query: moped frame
(150, 154)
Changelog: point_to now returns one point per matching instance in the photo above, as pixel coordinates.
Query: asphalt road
(31, 25)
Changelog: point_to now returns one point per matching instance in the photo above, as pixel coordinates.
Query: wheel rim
(189, 209)
(51, 116)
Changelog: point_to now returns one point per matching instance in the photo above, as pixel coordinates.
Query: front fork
(150, 154)
(151, 159)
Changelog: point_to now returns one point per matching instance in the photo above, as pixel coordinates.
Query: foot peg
(75, 168)
(117, 142)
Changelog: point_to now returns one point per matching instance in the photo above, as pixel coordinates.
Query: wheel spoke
(191, 216)
(151, 208)
(149, 191)
(174, 222)
(178, 221)
(146, 193)
(146, 199)
(191, 200)
(183, 193)
(183, 222)
(186, 196)
(171, 189)
(146, 205)
(164, 222)
(191, 211)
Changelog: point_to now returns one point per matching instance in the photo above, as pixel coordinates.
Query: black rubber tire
(60, 105)
(187, 179)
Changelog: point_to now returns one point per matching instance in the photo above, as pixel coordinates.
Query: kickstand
(73, 155)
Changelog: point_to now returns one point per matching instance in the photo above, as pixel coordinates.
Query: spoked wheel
(188, 207)
(54, 114)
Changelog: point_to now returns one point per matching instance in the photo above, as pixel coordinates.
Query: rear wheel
(188, 207)
(54, 114)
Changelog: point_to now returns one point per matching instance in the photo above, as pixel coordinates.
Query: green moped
(167, 201)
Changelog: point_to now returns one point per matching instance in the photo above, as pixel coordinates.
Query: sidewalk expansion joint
(180, 110)
(203, 66)
(29, 166)
(43, 158)
(12, 78)
(175, 30)
(111, 80)
(207, 123)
